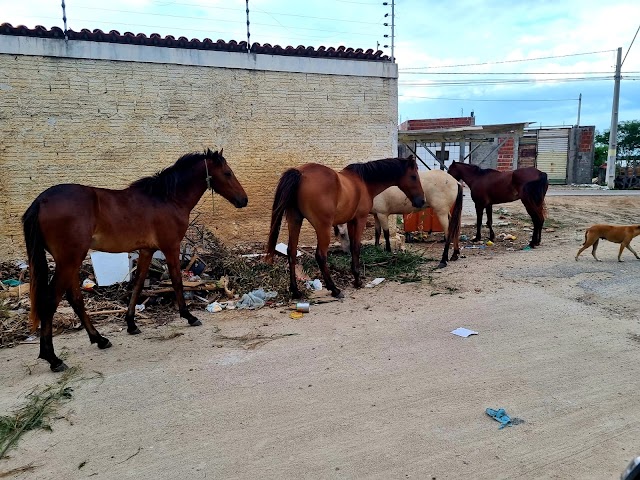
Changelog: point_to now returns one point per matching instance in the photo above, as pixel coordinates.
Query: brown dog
(614, 233)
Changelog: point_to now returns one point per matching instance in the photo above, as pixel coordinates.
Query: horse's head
(223, 180)
(410, 183)
(454, 170)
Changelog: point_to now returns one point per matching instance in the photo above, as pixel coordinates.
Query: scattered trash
(502, 211)
(140, 307)
(302, 307)
(505, 236)
(478, 247)
(463, 332)
(501, 416)
(255, 299)
(88, 284)
(374, 282)
(214, 307)
(22, 265)
(314, 284)
(527, 248)
(296, 315)
(11, 282)
(282, 248)
(489, 243)
(110, 268)
(463, 238)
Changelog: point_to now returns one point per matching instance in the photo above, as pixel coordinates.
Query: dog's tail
(285, 198)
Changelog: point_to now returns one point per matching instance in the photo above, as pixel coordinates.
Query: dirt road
(375, 386)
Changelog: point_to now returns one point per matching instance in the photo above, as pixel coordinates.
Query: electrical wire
(492, 99)
(509, 61)
(634, 39)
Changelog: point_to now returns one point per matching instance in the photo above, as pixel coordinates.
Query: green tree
(628, 145)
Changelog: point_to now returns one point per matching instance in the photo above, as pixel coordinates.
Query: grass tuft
(41, 403)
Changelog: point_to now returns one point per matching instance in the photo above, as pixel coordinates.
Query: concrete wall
(581, 153)
(107, 114)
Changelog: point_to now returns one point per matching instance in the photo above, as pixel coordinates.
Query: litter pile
(215, 277)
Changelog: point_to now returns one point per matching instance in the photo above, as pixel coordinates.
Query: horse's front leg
(492, 235)
(173, 262)
(356, 227)
(479, 211)
(324, 236)
(142, 268)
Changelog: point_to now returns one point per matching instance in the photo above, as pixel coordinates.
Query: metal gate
(553, 153)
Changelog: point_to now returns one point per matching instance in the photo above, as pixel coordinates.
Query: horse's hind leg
(479, 211)
(74, 296)
(384, 225)
(324, 236)
(144, 260)
(378, 229)
(294, 224)
(593, 250)
(492, 235)
(45, 312)
(356, 227)
(538, 221)
(173, 262)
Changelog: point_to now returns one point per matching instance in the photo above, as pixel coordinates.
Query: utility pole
(579, 107)
(613, 133)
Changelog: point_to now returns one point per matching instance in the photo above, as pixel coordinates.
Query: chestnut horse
(151, 214)
(327, 198)
(489, 187)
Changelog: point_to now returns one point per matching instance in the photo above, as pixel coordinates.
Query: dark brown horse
(327, 198)
(489, 187)
(151, 214)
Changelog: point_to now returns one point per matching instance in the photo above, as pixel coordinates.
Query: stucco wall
(94, 118)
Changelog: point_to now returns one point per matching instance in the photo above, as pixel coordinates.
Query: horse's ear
(221, 151)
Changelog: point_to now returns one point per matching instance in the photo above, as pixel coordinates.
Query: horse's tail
(285, 197)
(536, 190)
(38, 267)
(456, 218)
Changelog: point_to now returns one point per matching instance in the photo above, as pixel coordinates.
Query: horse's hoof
(135, 331)
(475, 239)
(442, 264)
(104, 343)
(337, 294)
(61, 367)
(296, 295)
(357, 284)
(195, 323)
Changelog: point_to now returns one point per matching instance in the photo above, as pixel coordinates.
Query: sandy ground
(375, 386)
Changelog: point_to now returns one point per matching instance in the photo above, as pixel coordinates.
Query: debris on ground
(463, 332)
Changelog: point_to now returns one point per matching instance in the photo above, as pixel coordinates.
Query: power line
(508, 73)
(492, 100)
(254, 10)
(509, 61)
(501, 82)
(634, 39)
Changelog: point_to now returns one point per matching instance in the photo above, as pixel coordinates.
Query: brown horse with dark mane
(327, 198)
(151, 214)
(489, 187)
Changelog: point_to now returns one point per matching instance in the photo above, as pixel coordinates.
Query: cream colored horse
(443, 194)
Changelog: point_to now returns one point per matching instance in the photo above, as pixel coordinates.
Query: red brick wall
(585, 139)
(505, 155)
(435, 123)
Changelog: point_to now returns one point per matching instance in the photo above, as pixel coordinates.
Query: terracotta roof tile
(169, 41)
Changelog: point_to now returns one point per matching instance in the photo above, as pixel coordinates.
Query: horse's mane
(378, 170)
(477, 170)
(162, 185)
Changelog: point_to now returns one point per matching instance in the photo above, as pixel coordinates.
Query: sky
(507, 61)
